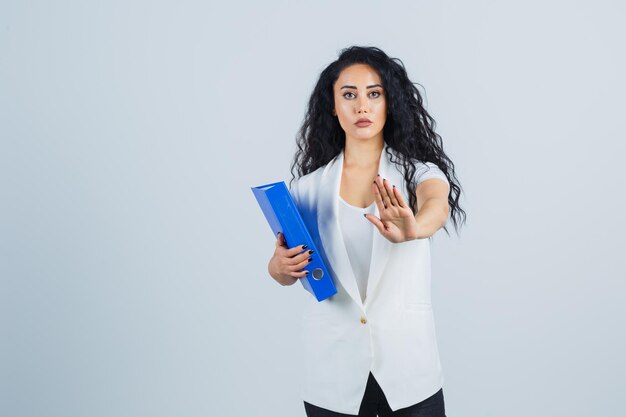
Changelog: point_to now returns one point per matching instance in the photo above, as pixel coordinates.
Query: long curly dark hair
(409, 129)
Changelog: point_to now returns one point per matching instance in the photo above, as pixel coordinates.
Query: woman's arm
(433, 208)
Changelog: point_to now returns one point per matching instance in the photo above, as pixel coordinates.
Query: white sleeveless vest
(392, 334)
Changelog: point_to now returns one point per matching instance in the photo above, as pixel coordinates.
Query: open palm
(397, 221)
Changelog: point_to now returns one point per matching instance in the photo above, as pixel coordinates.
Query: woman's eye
(376, 94)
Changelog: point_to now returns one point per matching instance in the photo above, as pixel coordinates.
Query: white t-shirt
(357, 230)
(427, 170)
(357, 236)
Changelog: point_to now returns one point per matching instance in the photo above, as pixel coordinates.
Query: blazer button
(363, 320)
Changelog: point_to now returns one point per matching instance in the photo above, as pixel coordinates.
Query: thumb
(281, 240)
(375, 221)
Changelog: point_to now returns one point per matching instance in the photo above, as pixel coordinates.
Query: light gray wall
(133, 255)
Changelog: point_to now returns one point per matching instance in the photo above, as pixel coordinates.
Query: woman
(374, 183)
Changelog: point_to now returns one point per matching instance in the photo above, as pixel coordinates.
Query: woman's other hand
(286, 264)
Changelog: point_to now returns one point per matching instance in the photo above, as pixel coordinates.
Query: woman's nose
(362, 105)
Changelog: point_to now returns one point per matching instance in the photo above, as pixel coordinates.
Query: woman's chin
(365, 135)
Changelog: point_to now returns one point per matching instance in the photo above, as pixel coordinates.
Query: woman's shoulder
(425, 170)
(311, 180)
(307, 179)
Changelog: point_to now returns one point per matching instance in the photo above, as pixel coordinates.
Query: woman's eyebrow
(369, 86)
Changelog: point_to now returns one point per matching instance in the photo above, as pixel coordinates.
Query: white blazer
(391, 334)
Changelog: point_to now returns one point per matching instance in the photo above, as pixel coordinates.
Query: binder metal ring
(318, 273)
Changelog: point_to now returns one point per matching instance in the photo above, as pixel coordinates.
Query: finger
(297, 259)
(377, 222)
(399, 197)
(290, 253)
(299, 265)
(280, 240)
(296, 271)
(378, 198)
(380, 183)
(389, 189)
(300, 274)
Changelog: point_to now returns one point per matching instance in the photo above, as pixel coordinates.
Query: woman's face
(358, 94)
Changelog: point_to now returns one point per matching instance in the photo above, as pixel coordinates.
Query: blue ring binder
(283, 216)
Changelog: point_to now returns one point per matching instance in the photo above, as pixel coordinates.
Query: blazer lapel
(332, 238)
(380, 244)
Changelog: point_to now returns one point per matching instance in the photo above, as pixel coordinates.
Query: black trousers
(375, 404)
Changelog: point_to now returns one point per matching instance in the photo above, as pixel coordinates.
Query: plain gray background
(133, 256)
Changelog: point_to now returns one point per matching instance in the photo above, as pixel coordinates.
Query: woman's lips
(363, 124)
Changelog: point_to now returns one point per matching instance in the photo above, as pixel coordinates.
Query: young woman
(374, 185)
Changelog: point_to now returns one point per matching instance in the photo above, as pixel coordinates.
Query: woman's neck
(362, 154)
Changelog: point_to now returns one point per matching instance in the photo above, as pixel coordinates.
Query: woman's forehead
(358, 74)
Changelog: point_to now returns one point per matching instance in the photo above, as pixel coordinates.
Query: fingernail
(378, 175)
(310, 251)
(364, 215)
(307, 273)
(310, 259)
(394, 186)
(304, 247)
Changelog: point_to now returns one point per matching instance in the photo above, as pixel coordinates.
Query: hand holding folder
(282, 215)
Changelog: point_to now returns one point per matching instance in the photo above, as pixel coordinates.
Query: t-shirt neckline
(356, 207)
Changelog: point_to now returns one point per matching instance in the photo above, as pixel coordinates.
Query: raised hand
(397, 221)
